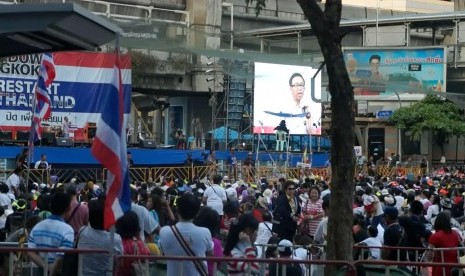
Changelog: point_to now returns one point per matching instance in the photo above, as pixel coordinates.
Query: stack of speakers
(91, 129)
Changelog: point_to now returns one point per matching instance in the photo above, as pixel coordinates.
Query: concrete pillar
(205, 23)
(144, 116)
(459, 5)
(156, 126)
(133, 119)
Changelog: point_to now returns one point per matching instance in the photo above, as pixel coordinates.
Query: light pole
(377, 19)
(399, 131)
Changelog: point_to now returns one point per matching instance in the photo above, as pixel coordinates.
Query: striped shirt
(313, 209)
(243, 250)
(97, 264)
(52, 232)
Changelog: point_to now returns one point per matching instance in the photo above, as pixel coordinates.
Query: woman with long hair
(128, 228)
(239, 244)
(444, 237)
(160, 209)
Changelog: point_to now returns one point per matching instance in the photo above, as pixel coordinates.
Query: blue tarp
(147, 157)
(220, 133)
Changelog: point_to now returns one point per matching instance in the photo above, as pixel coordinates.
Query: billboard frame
(400, 48)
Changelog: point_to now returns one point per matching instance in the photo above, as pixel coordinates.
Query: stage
(82, 157)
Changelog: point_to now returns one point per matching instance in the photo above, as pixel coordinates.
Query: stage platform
(82, 157)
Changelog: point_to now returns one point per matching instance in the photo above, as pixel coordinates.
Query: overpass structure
(187, 53)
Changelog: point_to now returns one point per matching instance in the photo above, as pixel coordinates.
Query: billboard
(81, 80)
(387, 71)
(283, 92)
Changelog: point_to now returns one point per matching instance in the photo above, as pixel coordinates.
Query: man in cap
(414, 227)
(16, 220)
(285, 249)
(394, 235)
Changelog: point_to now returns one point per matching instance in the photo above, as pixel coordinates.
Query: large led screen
(283, 93)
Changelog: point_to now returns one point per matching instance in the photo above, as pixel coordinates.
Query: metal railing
(153, 263)
(153, 174)
(18, 263)
(346, 268)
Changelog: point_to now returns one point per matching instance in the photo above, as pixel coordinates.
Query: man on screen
(300, 120)
(294, 107)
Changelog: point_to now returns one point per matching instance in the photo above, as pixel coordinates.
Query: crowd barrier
(15, 261)
(150, 262)
(145, 174)
(155, 265)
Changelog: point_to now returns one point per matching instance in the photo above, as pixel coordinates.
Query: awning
(37, 28)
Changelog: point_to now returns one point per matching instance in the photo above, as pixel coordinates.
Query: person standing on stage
(212, 166)
(66, 127)
(232, 164)
(198, 132)
(42, 164)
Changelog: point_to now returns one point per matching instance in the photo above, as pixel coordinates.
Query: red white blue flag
(41, 108)
(109, 148)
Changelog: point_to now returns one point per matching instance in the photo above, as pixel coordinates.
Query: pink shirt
(217, 252)
(80, 217)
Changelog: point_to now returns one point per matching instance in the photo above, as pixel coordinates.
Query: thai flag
(41, 108)
(109, 148)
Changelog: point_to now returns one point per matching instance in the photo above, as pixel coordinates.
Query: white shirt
(215, 195)
(147, 223)
(399, 201)
(13, 181)
(324, 193)
(199, 240)
(66, 126)
(433, 210)
(263, 236)
(321, 231)
(373, 241)
(5, 200)
(36, 166)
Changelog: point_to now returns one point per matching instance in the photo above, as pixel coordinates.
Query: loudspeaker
(91, 130)
(208, 143)
(5, 135)
(22, 135)
(48, 137)
(64, 142)
(146, 143)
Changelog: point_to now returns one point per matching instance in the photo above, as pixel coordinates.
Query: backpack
(16, 222)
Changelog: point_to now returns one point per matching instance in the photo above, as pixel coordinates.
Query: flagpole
(30, 142)
(111, 250)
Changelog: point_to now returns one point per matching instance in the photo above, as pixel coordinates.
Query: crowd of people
(270, 218)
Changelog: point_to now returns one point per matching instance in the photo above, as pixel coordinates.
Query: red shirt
(442, 239)
(125, 266)
(258, 214)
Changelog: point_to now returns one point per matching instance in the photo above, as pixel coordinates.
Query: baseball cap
(391, 211)
(285, 246)
(19, 204)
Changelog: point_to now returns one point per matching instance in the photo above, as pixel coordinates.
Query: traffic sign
(384, 114)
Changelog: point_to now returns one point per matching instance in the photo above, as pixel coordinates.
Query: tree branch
(333, 10)
(315, 15)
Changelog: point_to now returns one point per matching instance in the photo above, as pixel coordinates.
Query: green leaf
(442, 117)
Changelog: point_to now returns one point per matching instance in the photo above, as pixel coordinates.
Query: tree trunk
(325, 25)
